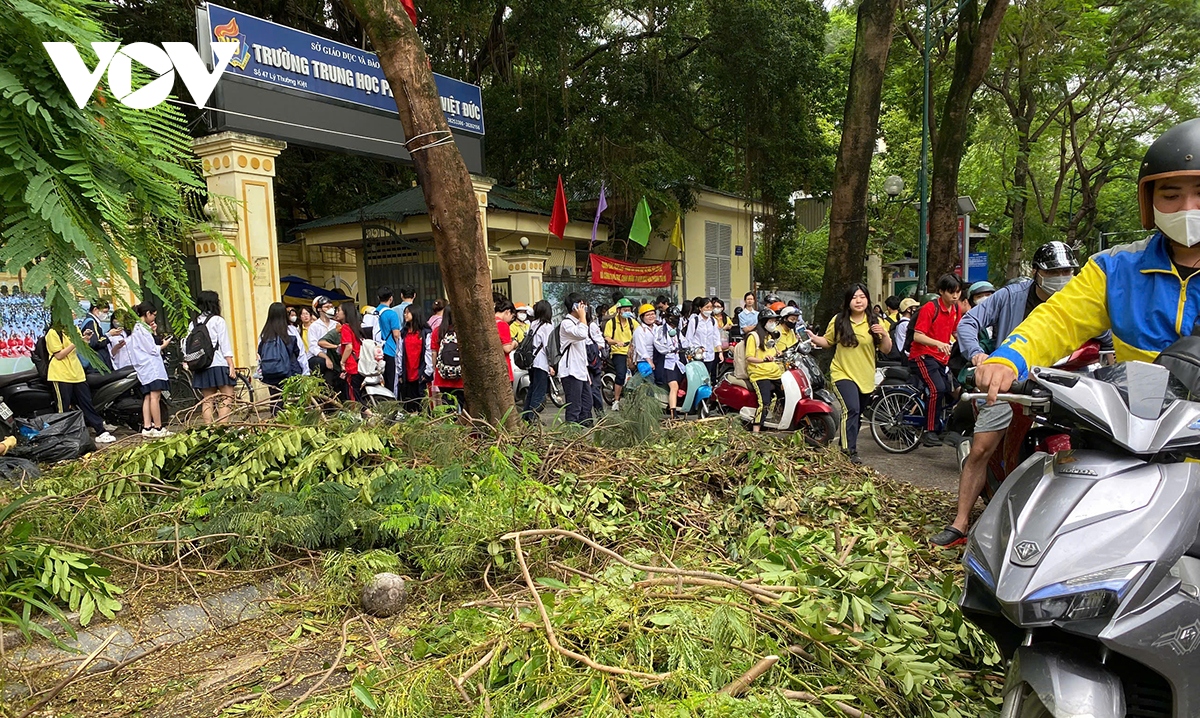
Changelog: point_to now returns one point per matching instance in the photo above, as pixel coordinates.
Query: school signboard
(302, 88)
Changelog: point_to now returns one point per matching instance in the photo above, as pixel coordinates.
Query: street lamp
(893, 186)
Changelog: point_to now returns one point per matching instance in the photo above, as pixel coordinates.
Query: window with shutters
(718, 248)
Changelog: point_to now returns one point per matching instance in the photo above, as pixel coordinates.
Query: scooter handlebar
(1012, 398)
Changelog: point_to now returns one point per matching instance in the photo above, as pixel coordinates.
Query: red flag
(411, 9)
(559, 218)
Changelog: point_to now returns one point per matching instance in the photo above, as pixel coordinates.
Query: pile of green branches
(579, 572)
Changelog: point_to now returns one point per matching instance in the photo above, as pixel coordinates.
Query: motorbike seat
(21, 377)
(899, 373)
(95, 379)
(736, 380)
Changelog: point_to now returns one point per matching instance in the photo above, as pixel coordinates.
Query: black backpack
(525, 353)
(41, 357)
(912, 324)
(198, 350)
(449, 363)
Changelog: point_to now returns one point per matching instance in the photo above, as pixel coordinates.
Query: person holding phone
(66, 376)
(573, 336)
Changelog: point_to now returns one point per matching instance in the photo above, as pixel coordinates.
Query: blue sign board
(279, 55)
(977, 263)
(739, 250)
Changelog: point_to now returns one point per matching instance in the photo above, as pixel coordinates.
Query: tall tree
(84, 190)
(974, 41)
(848, 215)
(453, 208)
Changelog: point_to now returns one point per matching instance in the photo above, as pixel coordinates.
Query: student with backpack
(145, 356)
(57, 361)
(574, 336)
(446, 361)
(278, 352)
(535, 346)
(597, 351)
(208, 354)
(387, 333)
(933, 330)
(618, 333)
(504, 315)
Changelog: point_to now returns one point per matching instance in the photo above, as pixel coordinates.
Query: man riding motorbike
(1053, 266)
(1140, 291)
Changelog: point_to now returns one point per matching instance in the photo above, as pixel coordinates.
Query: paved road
(927, 468)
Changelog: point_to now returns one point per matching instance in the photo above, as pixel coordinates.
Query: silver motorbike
(1085, 567)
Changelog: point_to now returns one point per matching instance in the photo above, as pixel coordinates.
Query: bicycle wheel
(897, 420)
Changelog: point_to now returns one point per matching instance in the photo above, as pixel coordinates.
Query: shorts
(671, 375)
(996, 417)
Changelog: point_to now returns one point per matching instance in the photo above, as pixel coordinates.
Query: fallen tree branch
(549, 628)
(74, 674)
(810, 698)
(729, 580)
(739, 686)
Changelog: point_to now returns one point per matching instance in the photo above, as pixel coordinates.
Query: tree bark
(848, 214)
(453, 207)
(972, 55)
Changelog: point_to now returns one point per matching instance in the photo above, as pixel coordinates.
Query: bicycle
(897, 417)
(244, 405)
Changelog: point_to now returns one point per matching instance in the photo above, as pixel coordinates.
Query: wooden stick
(553, 639)
(740, 685)
(810, 698)
(74, 674)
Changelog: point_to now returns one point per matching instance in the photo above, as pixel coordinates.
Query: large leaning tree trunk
(972, 55)
(453, 209)
(848, 214)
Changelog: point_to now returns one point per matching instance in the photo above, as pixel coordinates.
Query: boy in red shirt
(935, 326)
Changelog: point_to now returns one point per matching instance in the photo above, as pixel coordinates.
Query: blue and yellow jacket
(1133, 290)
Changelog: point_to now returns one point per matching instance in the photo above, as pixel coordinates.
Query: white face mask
(1050, 285)
(1182, 227)
(707, 314)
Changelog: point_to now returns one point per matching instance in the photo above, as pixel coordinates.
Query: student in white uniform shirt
(666, 343)
(573, 337)
(704, 332)
(215, 382)
(641, 349)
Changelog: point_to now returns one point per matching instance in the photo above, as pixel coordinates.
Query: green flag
(640, 231)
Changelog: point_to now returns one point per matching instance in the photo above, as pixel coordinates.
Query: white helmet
(788, 311)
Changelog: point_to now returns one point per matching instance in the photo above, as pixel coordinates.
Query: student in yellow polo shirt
(65, 374)
(856, 333)
(618, 334)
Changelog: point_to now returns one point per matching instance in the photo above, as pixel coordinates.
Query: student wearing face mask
(102, 333)
(703, 333)
(1144, 292)
(987, 321)
(618, 334)
(766, 374)
(641, 350)
(667, 344)
(789, 322)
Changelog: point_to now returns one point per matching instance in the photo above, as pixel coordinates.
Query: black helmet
(671, 315)
(766, 314)
(1054, 255)
(1175, 152)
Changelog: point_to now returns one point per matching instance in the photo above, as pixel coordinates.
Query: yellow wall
(690, 273)
(12, 281)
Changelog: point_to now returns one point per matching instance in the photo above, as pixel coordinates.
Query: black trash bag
(59, 437)
(18, 471)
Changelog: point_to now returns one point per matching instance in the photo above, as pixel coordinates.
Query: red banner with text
(617, 273)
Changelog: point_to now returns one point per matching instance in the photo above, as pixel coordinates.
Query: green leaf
(364, 696)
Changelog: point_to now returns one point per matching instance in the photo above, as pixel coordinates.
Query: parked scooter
(116, 395)
(800, 409)
(695, 388)
(520, 386)
(1085, 567)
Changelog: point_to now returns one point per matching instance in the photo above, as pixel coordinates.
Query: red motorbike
(805, 405)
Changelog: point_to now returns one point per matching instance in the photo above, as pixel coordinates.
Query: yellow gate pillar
(525, 270)
(241, 168)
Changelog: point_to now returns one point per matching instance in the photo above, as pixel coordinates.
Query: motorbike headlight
(1081, 598)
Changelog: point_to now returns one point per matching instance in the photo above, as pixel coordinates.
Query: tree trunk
(972, 54)
(453, 207)
(848, 214)
(1023, 119)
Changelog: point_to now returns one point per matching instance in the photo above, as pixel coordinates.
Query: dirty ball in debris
(385, 595)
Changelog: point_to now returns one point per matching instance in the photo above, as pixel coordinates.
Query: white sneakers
(616, 406)
(149, 433)
(105, 438)
(109, 427)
